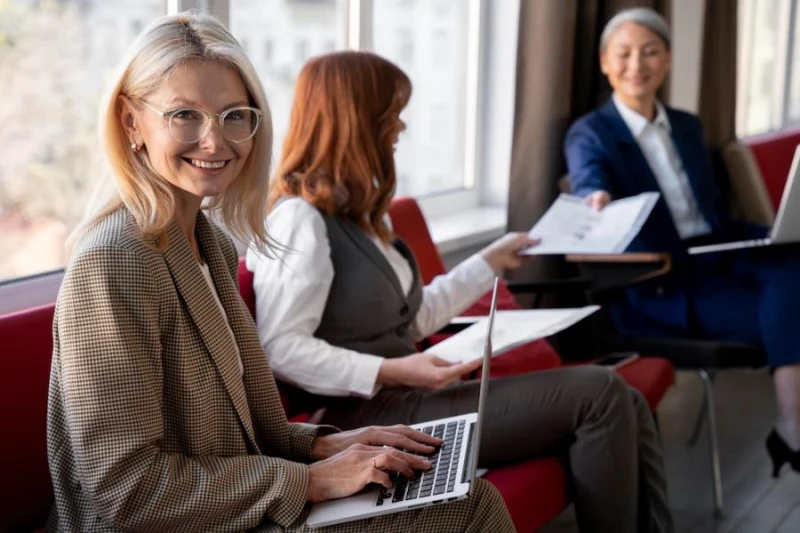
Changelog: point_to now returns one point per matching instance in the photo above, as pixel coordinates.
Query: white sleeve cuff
(365, 380)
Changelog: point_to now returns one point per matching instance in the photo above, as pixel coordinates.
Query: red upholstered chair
(650, 375)
(774, 153)
(27, 346)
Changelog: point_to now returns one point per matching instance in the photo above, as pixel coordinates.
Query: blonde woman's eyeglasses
(189, 125)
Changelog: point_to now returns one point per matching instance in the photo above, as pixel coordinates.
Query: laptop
(787, 223)
(453, 471)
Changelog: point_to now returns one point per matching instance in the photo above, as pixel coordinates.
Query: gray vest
(367, 310)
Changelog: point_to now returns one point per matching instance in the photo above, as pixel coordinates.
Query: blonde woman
(163, 412)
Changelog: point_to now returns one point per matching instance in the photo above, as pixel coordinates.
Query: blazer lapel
(371, 251)
(199, 300)
(632, 155)
(686, 141)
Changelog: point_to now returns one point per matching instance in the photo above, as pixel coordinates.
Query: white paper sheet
(571, 226)
(511, 329)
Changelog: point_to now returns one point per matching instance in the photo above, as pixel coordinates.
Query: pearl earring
(134, 147)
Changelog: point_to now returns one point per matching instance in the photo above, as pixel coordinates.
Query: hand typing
(350, 471)
(398, 436)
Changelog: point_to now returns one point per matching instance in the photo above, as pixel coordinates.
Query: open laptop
(787, 223)
(451, 477)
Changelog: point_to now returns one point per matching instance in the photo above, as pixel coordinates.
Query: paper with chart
(511, 329)
(571, 226)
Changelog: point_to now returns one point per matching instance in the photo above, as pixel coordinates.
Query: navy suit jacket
(602, 154)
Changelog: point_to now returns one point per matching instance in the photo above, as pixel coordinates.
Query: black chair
(609, 276)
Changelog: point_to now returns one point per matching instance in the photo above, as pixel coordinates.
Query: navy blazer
(602, 154)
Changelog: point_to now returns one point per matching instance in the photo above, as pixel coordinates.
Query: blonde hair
(167, 43)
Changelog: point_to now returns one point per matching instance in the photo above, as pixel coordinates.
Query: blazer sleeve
(111, 371)
(585, 161)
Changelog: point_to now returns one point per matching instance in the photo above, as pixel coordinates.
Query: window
(768, 93)
(54, 60)
(268, 51)
(48, 141)
(434, 154)
(298, 30)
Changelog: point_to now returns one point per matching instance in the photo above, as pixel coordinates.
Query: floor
(754, 502)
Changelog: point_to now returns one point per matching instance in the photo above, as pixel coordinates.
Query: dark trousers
(749, 295)
(587, 413)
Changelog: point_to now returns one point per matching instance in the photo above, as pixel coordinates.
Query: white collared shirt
(656, 144)
(292, 290)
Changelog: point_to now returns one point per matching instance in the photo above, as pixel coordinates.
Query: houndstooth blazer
(151, 425)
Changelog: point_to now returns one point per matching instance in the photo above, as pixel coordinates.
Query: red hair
(338, 153)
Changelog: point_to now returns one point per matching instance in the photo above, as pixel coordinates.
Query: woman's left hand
(400, 437)
(504, 253)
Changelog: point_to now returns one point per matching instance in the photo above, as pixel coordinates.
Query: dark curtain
(717, 101)
(558, 80)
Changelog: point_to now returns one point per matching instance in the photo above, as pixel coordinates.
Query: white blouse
(659, 150)
(292, 290)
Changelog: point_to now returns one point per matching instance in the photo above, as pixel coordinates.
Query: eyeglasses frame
(168, 115)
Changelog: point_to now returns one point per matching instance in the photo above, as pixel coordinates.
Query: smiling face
(636, 61)
(203, 168)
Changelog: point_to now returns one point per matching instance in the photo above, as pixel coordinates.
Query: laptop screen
(487, 360)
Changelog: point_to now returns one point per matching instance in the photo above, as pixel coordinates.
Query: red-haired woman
(340, 309)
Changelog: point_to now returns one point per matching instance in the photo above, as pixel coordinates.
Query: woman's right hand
(348, 472)
(598, 200)
(423, 371)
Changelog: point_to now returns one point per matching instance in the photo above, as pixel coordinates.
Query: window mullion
(359, 25)
(219, 8)
(790, 64)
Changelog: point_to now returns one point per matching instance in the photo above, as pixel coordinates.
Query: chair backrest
(751, 200)
(249, 296)
(27, 348)
(408, 223)
(773, 154)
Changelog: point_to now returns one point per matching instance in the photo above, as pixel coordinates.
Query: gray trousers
(587, 413)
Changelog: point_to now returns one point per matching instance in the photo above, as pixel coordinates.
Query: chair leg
(713, 444)
(701, 417)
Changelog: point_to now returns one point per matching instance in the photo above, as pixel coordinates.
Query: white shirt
(656, 144)
(210, 281)
(292, 291)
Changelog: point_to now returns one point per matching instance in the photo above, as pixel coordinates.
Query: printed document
(511, 329)
(571, 226)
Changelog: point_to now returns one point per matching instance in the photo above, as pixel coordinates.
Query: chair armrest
(610, 272)
(634, 257)
(554, 285)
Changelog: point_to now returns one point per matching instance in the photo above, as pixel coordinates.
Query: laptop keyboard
(441, 478)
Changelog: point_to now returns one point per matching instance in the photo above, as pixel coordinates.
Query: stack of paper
(571, 226)
(511, 329)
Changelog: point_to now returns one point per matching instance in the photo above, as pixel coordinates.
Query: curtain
(717, 100)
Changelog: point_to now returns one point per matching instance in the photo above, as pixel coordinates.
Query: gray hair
(644, 16)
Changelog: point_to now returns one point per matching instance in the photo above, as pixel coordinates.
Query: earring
(134, 147)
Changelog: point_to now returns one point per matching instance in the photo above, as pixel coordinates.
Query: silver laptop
(450, 478)
(787, 223)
